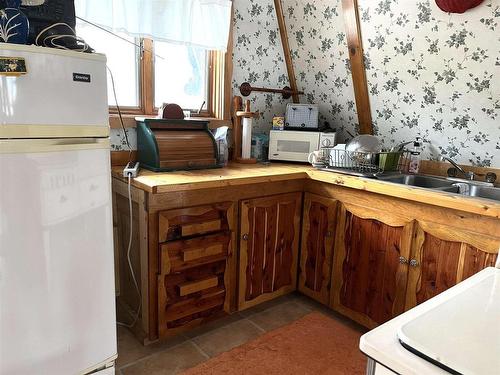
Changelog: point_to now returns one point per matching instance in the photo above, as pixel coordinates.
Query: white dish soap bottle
(415, 156)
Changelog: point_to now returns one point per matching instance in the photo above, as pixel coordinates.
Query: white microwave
(289, 145)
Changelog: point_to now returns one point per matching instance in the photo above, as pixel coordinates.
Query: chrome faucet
(468, 175)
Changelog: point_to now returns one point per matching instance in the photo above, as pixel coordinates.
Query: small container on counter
(260, 146)
(278, 123)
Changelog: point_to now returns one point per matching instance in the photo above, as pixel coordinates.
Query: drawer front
(191, 295)
(183, 254)
(194, 221)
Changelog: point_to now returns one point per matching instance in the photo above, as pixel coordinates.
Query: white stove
(456, 332)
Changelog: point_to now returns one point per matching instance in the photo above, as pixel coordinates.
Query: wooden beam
(286, 49)
(355, 45)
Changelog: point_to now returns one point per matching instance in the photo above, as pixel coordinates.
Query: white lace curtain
(200, 23)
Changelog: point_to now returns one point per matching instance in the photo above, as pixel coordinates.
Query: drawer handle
(194, 254)
(414, 263)
(403, 260)
(196, 286)
(199, 228)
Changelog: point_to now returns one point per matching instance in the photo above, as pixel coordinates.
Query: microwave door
(293, 148)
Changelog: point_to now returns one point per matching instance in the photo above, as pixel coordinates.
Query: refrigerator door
(71, 84)
(57, 305)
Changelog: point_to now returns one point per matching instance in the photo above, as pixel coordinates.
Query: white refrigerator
(57, 299)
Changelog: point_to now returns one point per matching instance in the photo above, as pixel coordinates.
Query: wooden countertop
(242, 174)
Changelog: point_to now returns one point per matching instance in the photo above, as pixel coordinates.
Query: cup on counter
(319, 158)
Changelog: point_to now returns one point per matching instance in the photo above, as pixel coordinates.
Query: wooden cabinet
(269, 243)
(386, 263)
(443, 256)
(316, 250)
(195, 256)
(370, 271)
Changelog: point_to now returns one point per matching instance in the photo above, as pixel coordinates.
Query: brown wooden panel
(356, 55)
(186, 222)
(186, 298)
(181, 254)
(173, 282)
(256, 264)
(270, 244)
(315, 250)
(198, 285)
(318, 233)
(369, 281)
(476, 260)
(439, 266)
(268, 247)
(284, 254)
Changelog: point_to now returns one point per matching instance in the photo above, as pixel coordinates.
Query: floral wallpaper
(435, 75)
(430, 74)
(319, 52)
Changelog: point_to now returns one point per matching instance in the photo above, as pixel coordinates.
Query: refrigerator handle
(9, 146)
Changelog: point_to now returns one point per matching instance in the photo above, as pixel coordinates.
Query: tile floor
(202, 343)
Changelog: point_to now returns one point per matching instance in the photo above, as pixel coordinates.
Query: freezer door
(63, 94)
(57, 307)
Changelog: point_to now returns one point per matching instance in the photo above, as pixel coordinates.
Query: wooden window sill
(129, 121)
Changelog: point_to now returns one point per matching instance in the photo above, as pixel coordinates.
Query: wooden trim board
(355, 45)
(286, 50)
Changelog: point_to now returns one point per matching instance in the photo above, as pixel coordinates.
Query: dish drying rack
(364, 164)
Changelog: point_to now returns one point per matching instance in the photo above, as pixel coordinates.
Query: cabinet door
(443, 256)
(316, 251)
(269, 242)
(370, 264)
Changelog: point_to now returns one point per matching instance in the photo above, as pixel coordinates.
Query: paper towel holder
(239, 115)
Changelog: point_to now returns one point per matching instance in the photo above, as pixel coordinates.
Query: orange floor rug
(314, 344)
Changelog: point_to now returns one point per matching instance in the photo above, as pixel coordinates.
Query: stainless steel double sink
(464, 187)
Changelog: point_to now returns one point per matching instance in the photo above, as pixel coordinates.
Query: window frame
(216, 75)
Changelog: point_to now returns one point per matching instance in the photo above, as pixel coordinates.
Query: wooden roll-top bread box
(168, 145)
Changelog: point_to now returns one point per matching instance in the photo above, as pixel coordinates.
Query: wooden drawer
(183, 254)
(192, 295)
(194, 221)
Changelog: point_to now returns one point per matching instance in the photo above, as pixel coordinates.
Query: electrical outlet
(131, 169)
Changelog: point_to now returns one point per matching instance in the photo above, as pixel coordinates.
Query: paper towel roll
(246, 139)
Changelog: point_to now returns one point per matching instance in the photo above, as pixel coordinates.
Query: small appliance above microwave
(301, 117)
(289, 145)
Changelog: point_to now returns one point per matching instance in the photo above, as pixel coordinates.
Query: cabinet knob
(245, 237)
(414, 263)
(329, 234)
(403, 260)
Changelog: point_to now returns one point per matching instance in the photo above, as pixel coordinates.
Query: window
(181, 76)
(162, 73)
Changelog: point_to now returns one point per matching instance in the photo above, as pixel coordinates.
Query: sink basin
(484, 192)
(421, 181)
(441, 184)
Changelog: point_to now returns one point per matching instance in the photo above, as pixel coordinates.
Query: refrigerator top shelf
(50, 51)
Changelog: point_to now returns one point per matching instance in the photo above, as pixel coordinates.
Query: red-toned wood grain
(477, 260)
(318, 228)
(270, 246)
(370, 266)
(284, 250)
(258, 233)
(439, 266)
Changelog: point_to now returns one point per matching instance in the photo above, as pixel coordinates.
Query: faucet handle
(452, 172)
(490, 177)
(470, 175)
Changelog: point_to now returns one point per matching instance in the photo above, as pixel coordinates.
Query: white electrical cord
(131, 223)
(129, 248)
(51, 40)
